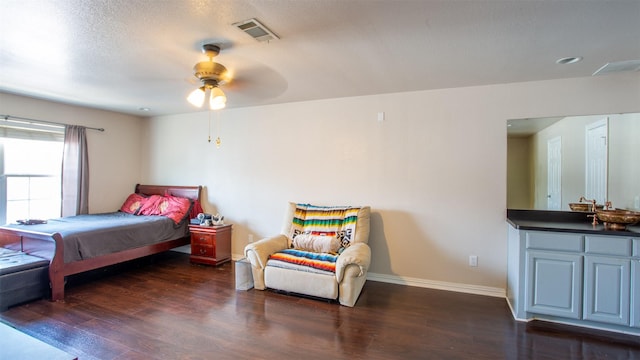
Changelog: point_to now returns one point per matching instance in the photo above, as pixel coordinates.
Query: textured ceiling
(122, 55)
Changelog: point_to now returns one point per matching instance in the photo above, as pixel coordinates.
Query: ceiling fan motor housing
(210, 72)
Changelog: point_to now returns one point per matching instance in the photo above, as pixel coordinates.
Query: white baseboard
(439, 285)
(430, 284)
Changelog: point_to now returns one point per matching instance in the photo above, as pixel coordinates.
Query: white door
(554, 173)
(596, 161)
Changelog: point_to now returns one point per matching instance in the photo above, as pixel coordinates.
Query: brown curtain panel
(75, 172)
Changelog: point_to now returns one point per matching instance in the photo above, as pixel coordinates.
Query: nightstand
(210, 245)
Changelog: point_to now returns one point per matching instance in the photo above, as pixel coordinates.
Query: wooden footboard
(51, 246)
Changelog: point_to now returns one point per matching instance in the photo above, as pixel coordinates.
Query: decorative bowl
(584, 207)
(618, 219)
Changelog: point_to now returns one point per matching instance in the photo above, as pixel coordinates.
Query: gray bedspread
(88, 236)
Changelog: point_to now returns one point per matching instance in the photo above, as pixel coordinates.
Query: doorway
(554, 173)
(596, 160)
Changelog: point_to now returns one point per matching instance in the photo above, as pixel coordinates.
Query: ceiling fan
(211, 75)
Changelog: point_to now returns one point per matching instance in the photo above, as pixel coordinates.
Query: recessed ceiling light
(144, 109)
(569, 60)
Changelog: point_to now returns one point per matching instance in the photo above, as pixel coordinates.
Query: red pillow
(195, 209)
(175, 208)
(133, 203)
(152, 205)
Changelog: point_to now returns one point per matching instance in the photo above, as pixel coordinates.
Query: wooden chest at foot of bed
(22, 278)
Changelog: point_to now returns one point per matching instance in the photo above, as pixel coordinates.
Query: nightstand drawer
(202, 250)
(204, 239)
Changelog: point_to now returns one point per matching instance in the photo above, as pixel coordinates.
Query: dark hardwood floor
(163, 307)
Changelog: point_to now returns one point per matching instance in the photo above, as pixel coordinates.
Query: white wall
(434, 172)
(114, 155)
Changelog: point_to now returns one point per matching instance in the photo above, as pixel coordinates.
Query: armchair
(293, 261)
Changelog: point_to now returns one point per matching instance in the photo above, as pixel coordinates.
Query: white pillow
(316, 243)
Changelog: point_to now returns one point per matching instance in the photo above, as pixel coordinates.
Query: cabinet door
(554, 284)
(635, 291)
(606, 289)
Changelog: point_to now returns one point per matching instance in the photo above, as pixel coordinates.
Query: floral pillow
(133, 204)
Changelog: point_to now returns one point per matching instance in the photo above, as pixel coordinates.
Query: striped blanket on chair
(320, 261)
(338, 221)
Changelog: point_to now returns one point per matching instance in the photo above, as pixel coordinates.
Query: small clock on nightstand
(210, 245)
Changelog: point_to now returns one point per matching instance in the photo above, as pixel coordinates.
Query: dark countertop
(563, 221)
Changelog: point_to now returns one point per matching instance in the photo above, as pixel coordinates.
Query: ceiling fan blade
(256, 83)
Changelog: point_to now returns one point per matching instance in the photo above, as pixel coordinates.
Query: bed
(114, 239)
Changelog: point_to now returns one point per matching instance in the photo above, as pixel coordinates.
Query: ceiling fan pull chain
(209, 140)
(218, 141)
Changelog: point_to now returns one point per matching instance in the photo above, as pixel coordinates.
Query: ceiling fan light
(218, 95)
(211, 75)
(218, 99)
(217, 106)
(196, 98)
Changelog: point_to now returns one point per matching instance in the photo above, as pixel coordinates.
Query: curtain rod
(7, 117)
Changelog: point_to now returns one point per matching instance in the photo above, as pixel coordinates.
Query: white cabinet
(606, 289)
(607, 280)
(553, 274)
(635, 284)
(554, 284)
(582, 279)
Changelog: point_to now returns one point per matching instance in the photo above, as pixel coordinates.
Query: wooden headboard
(190, 192)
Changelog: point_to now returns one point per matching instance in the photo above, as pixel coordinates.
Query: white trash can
(244, 277)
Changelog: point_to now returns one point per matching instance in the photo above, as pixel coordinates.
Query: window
(30, 175)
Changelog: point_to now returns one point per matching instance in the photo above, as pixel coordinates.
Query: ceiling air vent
(258, 31)
(618, 66)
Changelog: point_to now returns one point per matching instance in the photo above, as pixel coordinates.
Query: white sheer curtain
(75, 172)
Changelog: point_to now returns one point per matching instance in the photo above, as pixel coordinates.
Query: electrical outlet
(250, 238)
(473, 260)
